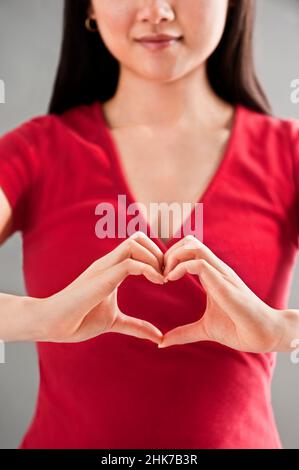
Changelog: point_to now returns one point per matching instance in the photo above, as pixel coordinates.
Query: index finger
(201, 251)
(148, 243)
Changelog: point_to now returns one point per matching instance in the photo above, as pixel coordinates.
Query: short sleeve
(293, 128)
(19, 169)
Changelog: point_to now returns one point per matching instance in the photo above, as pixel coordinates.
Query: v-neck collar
(123, 183)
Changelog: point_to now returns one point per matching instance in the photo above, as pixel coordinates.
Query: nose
(156, 11)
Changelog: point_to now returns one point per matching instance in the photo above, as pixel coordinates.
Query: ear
(90, 11)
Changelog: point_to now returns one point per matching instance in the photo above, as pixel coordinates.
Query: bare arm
(21, 318)
(18, 314)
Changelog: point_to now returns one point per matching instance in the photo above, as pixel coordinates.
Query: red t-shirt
(118, 391)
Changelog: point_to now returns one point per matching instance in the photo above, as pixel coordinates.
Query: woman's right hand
(88, 306)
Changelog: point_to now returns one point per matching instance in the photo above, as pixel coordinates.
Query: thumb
(132, 326)
(189, 333)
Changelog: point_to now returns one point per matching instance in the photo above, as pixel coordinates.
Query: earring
(89, 27)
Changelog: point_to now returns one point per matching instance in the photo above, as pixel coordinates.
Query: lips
(158, 41)
(158, 38)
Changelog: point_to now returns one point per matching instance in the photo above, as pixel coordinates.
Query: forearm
(21, 318)
(290, 330)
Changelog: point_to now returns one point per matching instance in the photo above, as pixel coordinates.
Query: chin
(158, 75)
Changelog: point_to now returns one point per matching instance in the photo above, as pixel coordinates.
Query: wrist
(289, 329)
(35, 319)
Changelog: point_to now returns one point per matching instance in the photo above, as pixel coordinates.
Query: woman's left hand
(234, 315)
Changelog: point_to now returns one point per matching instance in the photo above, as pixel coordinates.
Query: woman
(157, 101)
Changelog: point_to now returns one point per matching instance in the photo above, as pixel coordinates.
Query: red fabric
(117, 391)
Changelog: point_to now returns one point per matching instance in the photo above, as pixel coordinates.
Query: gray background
(30, 33)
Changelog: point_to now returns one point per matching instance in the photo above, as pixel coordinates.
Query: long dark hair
(88, 72)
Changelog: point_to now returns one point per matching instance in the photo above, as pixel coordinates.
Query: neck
(188, 100)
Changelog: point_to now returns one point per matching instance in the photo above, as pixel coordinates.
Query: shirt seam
(295, 181)
(34, 190)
